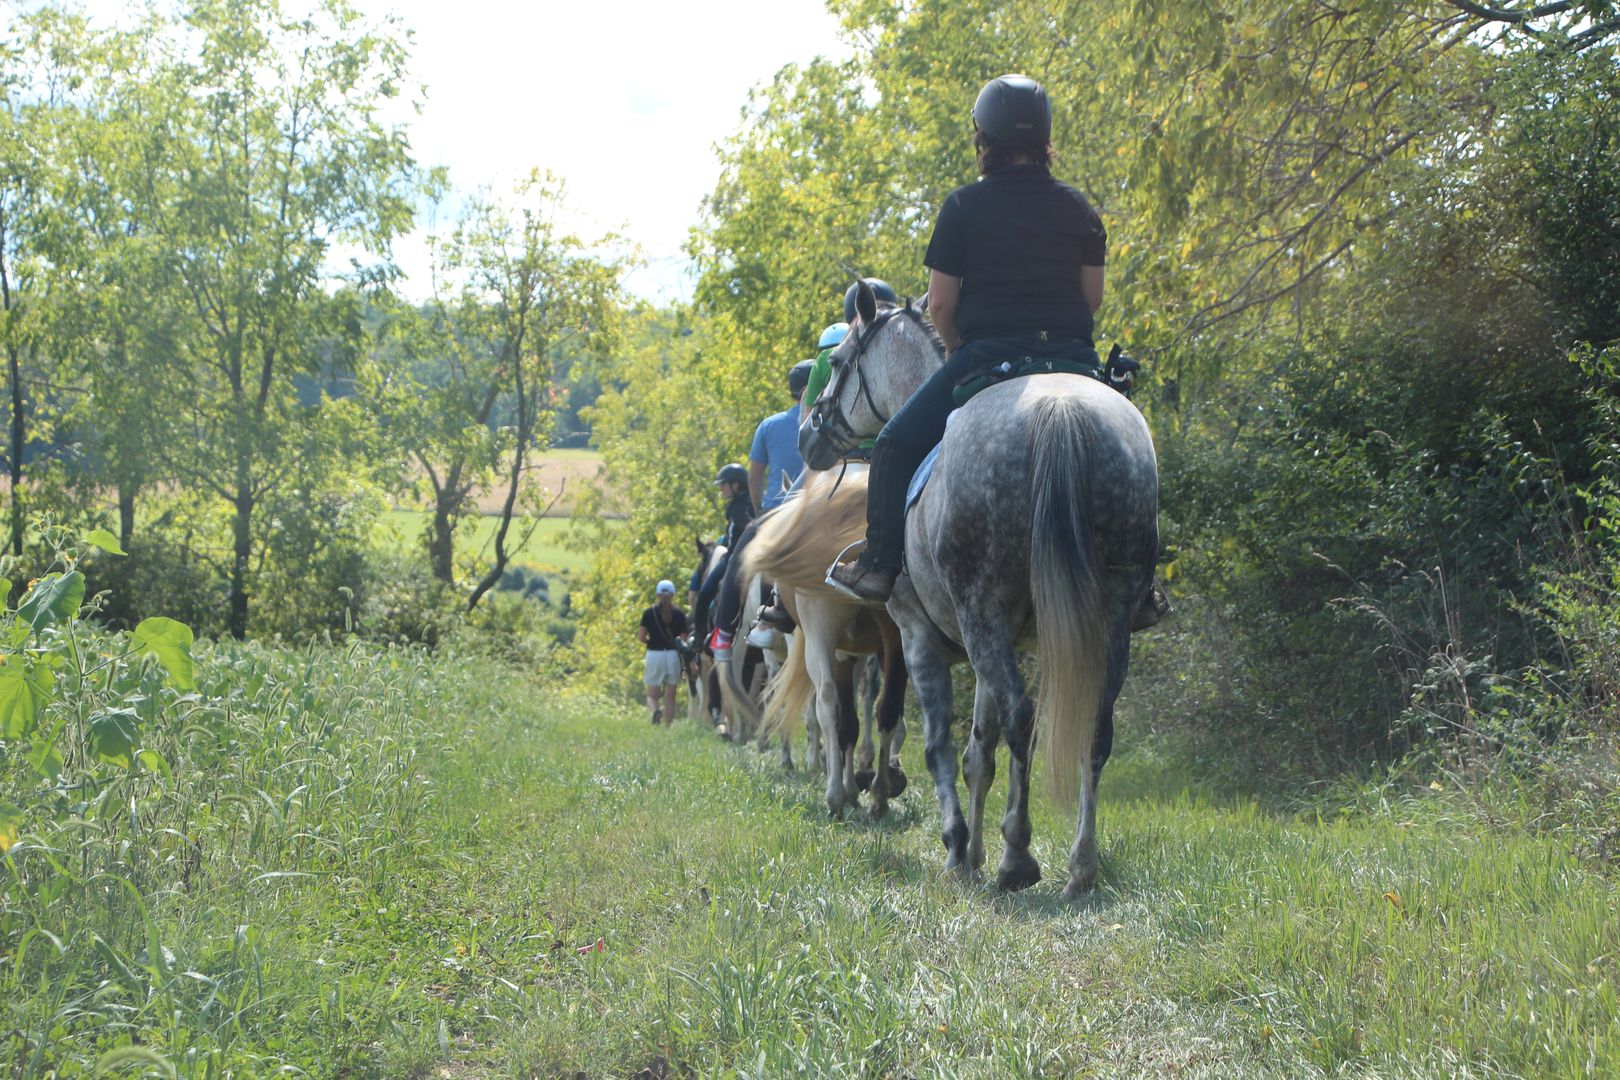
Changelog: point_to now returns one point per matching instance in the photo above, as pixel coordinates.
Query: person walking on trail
(662, 626)
(1015, 270)
(773, 461)
(733, 482)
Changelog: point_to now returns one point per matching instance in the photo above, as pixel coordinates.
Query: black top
(662, 635)
(1017, 238)
(739, 512)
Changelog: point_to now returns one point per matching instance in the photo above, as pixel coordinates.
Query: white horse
(792, 547)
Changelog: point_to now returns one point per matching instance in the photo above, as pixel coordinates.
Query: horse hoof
(879, 811)
(1078, 887)
(897, 780)
(864, 778)
(1018, 873)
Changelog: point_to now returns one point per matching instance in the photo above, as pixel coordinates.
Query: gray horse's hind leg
(996, 667)
(1083, 861)
(979, 765)
(931, 675)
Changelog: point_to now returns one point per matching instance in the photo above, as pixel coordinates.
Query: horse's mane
(917, 312)
(798, 540)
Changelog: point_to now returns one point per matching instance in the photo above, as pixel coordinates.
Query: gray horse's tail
(1065, 583)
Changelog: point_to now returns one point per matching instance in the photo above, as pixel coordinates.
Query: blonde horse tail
(1065, 582)
(789, 691)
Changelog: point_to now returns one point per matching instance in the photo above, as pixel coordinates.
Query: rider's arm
(756, 481)
(1091, 287)
(944, 291)
(641, 634)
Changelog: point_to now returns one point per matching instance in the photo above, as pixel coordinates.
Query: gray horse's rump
(982, 483)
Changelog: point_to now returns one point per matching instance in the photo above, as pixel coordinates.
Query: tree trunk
(441, 542)
(18, 430)
(19, 439)
(126, 513)
(525, 431)
(241, 552)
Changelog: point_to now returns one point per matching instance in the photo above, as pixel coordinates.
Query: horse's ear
(922, 303)
(865, 302)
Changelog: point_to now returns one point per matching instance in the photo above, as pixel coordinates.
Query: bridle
(831, 421)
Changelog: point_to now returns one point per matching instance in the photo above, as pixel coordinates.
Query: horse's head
(889, 351)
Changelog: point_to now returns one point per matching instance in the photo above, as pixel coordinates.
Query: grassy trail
(434, 925)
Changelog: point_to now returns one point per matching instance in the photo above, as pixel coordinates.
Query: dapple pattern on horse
(1039, 529)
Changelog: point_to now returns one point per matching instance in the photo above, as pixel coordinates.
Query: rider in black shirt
(733, 481)
(1016, 269)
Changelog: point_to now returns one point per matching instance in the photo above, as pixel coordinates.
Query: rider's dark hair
(996, 154)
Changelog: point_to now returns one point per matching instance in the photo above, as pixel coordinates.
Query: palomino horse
(793, 546)
(1039, 528)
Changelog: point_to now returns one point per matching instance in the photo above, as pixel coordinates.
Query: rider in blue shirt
(774, 461)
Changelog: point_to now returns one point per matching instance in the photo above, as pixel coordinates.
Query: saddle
(1119, 372)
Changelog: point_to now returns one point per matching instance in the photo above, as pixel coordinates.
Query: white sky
(625, 99)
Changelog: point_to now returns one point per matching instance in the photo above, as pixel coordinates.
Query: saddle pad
(919, 479)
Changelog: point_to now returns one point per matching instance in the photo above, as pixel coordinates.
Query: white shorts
(663, 668)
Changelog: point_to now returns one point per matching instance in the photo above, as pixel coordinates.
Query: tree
(518, 292)
(283, 157)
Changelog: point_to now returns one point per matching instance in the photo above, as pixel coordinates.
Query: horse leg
(888, 717)
(979, 766)
(932, 677)
(1083, 855)
(996, 667)
(867, 684)
(812, 739)
(849, 727)
(821, 664)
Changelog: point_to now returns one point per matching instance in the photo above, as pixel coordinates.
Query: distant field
(567, 472)
(402, 531)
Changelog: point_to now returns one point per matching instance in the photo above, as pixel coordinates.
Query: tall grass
(377, 863)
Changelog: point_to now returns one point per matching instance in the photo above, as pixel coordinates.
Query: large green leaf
(55, 598)
(169, 641)
(106, 541)
(23, 697)
(112, 737)
(45, 756)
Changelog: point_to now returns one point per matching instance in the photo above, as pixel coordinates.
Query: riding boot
(1154, 607)
(871, 577)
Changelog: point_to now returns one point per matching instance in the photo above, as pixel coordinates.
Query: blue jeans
(919, 425)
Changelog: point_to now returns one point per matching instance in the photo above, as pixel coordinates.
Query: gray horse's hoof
(1017, 872)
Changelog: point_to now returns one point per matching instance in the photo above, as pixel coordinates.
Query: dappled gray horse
(1038, 528)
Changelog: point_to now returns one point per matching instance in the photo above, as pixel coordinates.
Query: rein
(837, 426)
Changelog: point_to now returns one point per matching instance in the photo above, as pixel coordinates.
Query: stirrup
(838, 560)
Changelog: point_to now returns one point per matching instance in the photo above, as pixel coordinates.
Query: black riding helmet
(731, 474)
(884, 291)
(799, 376)
(1014, 108)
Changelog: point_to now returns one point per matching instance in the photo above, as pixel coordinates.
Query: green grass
(379, 864)
(402, 532)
